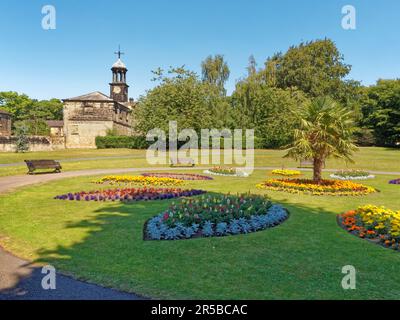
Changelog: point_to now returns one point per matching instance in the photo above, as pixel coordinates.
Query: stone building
(95, 114)
(5, 123)
(56, 128)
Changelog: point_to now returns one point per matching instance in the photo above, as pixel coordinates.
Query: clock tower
(118, 86)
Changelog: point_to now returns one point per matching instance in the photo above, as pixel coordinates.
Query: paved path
(20, 279)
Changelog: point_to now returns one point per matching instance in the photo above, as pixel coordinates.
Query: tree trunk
(318, 164)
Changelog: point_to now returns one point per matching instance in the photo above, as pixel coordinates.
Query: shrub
(130, 142)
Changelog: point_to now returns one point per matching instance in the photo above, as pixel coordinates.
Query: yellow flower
(140, 180)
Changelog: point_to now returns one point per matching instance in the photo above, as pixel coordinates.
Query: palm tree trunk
(318, 164)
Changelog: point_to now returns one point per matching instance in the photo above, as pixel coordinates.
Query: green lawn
(300, 259)
(380, 159)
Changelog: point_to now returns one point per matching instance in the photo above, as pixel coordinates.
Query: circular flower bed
(209, 216)
(130, 194)
(140, 180)
(325, 187)
(178, 176)
(395, 181)
(378, 224)
(224, 171)
(352, 175)
(286, 172)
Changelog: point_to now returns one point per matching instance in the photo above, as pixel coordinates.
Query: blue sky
(76, 57)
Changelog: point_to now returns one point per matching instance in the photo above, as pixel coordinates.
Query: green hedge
(138, 142)
(112, 142)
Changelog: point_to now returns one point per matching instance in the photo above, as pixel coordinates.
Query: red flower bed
(130, 194)
(179, 176)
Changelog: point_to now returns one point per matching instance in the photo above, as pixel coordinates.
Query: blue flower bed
(238, 221)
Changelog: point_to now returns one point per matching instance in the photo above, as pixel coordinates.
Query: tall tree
(215, 71)
(252, 66)
(316, 67)
(267, 110)
(33, 112)
(325, 130)
(381, 112)
(181, 96)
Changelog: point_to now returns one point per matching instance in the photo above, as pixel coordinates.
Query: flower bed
(352, 175)
(286, 172)
(326, 187)
(209, 216)
(227, 172)
(178, 176)
(140, 180)
(130, 194)
(378, 224)
(395, 181)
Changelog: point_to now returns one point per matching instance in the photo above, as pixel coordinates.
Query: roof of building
(119, 64)
(55, 123)
(93, 96)
(4, 112)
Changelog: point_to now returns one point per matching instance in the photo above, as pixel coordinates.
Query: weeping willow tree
(325, 130)
(215, 71)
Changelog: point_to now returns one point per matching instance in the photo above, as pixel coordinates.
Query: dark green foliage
(112, 142)
(33, 112)
(21, 133)
(381, 112)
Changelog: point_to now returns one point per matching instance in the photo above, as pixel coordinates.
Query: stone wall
(5, 124)
(82, 134)
(36, 143)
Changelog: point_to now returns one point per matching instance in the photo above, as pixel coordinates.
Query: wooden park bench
(42, 164)
(182, 162)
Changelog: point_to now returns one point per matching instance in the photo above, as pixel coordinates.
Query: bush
(112, 142)
(365, 137)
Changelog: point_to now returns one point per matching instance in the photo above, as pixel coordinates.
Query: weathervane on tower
(119, 53)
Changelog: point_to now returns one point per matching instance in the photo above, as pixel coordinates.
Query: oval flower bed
(326, 187)
(352, 175)
(286, 172)
(395, 181)
(209, 216)
(225, 171)
(178, 176)
(378, 224)
(140, 180)
(130, 194)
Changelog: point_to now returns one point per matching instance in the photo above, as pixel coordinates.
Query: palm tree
(325, 130)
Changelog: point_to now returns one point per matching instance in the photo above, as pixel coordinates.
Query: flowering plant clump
(352, 175)
(395, 181)
(140, 180)
(212, 215)
(325, 187)
(178, 176)
(225, 171)
(376, 223)
(130, 194)
(286, 172)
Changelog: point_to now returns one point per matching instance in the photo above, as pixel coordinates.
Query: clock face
(117, 89)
